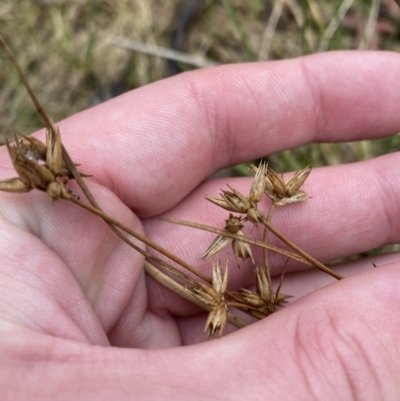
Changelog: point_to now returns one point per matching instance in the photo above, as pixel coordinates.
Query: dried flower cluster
(39, 166)
(215, 298)
(284, 193)
(240, 249)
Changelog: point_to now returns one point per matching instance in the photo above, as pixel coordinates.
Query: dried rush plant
(48, 168)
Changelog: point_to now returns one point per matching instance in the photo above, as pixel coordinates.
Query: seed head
(284, 193)
(216, 320)
(241, 249)
(236, 201)
(214, 297)
(38, 166)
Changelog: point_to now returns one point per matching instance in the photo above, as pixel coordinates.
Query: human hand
(70, 288)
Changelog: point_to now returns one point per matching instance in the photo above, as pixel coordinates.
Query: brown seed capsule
(216, 320)
(38, 166)
(31, 173)
(286, 193)
(241, 249)
(233, 224)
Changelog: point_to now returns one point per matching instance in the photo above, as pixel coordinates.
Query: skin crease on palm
(78, 318)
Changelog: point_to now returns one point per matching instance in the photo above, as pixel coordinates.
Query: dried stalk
(248, 240)
(140, 237)
(314, 262)
(265, 250)
(304, 258)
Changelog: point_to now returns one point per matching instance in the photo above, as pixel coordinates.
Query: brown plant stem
(314, 262)
(166, 281)
(243, 307)
(139, 236)
(265, 250)
(303, 258)
(238, 237)
(49, 124)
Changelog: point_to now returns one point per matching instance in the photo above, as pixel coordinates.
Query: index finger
(152, 146)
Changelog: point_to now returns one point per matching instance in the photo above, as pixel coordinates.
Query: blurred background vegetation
(74, 52)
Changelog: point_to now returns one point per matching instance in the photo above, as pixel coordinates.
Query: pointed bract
(220, 243)
(294, 183)
(258, 185)
(14, 185)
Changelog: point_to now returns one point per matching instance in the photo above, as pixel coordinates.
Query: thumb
(340, 342)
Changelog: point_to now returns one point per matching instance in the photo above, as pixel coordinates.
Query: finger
(182, 129)
(337, 343)
(353, 209)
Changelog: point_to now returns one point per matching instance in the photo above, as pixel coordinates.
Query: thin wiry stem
(314, 262)
(303, 258)
(140, 237)
(237, 237)
(269, 31)
(265, 250)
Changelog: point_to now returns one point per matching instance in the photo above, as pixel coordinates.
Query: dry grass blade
(333, 25)
(268, 35)
(163, 52)
(370, 25)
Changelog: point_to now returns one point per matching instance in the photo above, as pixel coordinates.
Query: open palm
(78, 317)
